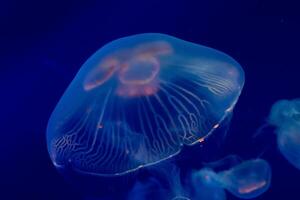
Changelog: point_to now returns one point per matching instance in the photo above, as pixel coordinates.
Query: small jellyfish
(138, 100)
(246, 180)
(171, 175)
(207, 186)
(285, 116)
(165, 183)
(149, 189)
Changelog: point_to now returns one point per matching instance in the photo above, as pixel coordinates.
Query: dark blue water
(44, 43)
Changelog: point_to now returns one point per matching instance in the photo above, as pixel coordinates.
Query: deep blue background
(44, 43)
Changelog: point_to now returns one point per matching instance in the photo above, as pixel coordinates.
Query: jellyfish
(145, 190)
(165, 183)
(246, 180)
(285, 116)
(138, 101)
(204, 182)
(206, 186)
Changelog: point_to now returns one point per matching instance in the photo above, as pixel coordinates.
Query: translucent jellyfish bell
(138, 100)
(246, 180)
(285, 115)
(167, 182)
(285, 112)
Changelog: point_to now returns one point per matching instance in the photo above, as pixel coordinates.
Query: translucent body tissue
(138, 100)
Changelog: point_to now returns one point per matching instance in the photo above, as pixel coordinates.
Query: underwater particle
(285, 116)
(247, 180)
(138, 100)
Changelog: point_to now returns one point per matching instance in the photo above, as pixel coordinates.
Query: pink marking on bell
(101, 74)
(252, 187)
(153, 49)
(137, 90)
(128, 69)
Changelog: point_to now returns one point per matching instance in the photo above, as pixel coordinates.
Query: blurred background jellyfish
(149, 189)
(165, 183)
(247, 180)
(285, 116)
(137, 101)
(206, 186)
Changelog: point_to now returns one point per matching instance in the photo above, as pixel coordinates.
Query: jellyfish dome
(139, 100)
(285, 116)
